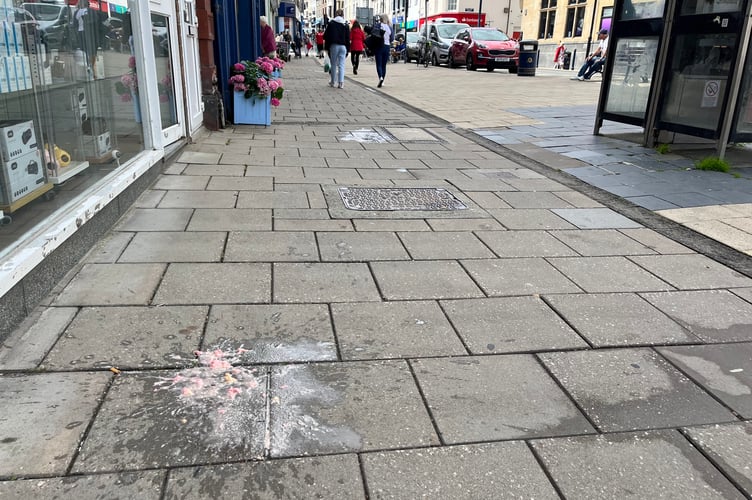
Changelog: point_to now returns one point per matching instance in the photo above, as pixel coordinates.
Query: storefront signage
(286, 9)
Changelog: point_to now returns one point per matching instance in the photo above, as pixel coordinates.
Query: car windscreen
(43, 12)
(449, 30)
(412, 37)
(490, 35)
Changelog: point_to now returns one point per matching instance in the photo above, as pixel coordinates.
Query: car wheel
(490, 68)
(434, 60)
(469, 63)
(513, 70)
(450, 61)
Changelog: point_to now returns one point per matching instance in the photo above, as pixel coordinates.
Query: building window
(547, 19)
(575, 18)
(451, 5)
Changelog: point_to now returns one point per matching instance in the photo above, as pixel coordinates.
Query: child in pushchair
(398, 48)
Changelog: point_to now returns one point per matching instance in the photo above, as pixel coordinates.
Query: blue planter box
(252, 111)
(277, 73)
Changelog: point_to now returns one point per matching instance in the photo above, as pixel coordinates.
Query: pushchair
(283, 51)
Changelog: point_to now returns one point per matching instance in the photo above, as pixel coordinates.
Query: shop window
(69, 108)
(575, 18)
(607, 14)
(451, 5)
(547, 19)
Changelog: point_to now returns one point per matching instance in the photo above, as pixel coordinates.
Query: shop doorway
(167, 61)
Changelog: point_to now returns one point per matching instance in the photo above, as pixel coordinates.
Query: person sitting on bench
(597, 59)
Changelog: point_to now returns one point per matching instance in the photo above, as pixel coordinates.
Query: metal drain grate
(399, 199)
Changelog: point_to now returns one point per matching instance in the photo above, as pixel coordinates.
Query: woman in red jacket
(357, 36)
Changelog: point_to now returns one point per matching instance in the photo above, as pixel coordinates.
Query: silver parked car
(441, 33)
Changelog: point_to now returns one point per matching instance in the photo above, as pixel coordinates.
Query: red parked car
(488, 48)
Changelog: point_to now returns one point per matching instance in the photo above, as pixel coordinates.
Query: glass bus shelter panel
(642, 9)
(631, 76)
(742, 131)
(693, 7)
(697, 81)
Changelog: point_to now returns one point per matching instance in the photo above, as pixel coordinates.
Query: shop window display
(70, 111)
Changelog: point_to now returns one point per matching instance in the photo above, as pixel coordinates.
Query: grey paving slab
(27, 345)
(231, 219)
(149, 198)
(215, 283)
(199, 199)
(394, 330)
(510, 324)
(445, 245)
(233, 183)
(272, 199)
(730, 448)
(301, 214)
(745, 293)
(155, 219)
(332, 477)
(614, 319)
(465, 225)
(487, 199)
(183, 182)
(712, 315)
(595, 218)
(323, 282)
(44, 417)
(391, 225)
(601, 243)
(725, 370)
(359, 406)
(312, 225)
(469, 404)
(112, 284)
(533, 200)
(167, 246)
(278, 172)
(656, 241)
(650, 202)
(361, 246)
(524, 244)
(529, 218)
(272, 333)
(608, 274)
(694, 271)
(145, 485)
(659, 465)
(631, 389)
(108, 249)
(578, 200)
(484, 471)
(418, 280)
(519, 276)
(134, 337)
(533, 185)
(198, 157)
(268, 246)
(193, 416)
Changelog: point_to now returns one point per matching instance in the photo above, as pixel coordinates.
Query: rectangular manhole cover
(399, 199)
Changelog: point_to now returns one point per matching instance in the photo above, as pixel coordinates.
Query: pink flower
(275, 101)
(237, 79)
(239, 67)
(240, 87)
(132, 62)
(126, 97)
(274, 84)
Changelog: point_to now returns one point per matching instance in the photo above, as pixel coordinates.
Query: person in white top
(597, 59)
(382, 53)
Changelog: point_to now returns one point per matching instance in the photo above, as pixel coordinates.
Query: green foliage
(663, 149)
(715, 164)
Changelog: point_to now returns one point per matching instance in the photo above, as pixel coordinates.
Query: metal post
(590, 34)
(425, 26)
(480, 11)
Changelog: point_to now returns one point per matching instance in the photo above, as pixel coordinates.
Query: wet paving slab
(146, 485)
(730, 448)
(331, 477)
(336, 408)
(43, 418)
(659, 464)
(484, 471)
(469, 404)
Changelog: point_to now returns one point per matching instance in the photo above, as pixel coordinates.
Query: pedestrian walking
(337, 44)
(320, 42)
(382, 32)
(559, 55)
(357, 37)
(268, 44)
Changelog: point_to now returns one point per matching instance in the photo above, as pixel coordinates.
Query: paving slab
(729, 446)
(198, 157)
(464, 395)
(464, 225)
(417, 280)
(656, 241)
(212, 170)
(724, 370)
(394, 330)
(230, 183)
(361, 246)
(231, 219)
(332, 477)
(272, 199)
(524, 244)
(534, 200)
(199, 199)
(108, 249)
(631, 389)
(25, 348)
(112, 284)
(216, 283)
(323, 282)
(518, 276)
(608, 274)
(312, 225)
(712, 315)
(445, 245)
(619, 319)
(691, 272)
(155, 419)
(155, 219)
(391, 225)
(510, 324)
(183, 182)
(272, 333)
(175, 247)
(659, 465)
(529, 218)
(146, 485)
(44, 417)
(335, 408)
(135, 337)
(485, 471)
(268, 246)
(602, 243)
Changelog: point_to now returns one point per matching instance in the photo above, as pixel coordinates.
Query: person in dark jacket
(268, 44)
(337, 44)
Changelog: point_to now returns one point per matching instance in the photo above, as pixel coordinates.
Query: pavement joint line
(426, 405)
(268, 414)
(454, 327)
(545, 470)
(363, 477)
(567, 322)
(334, 332)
